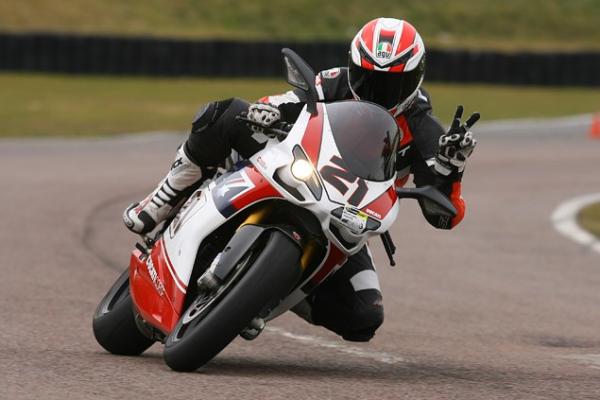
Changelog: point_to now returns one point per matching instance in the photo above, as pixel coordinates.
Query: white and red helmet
(387, 63)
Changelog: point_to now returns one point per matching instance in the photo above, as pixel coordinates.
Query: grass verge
(507, 24)
(57, 105)
(589, 219)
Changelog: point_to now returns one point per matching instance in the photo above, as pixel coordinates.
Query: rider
(386, 66)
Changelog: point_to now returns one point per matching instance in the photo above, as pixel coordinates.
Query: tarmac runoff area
(503, 307)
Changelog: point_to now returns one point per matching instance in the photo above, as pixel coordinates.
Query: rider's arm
(426, 133)
(448, 185)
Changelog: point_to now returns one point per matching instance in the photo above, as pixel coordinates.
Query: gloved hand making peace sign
(456, 145)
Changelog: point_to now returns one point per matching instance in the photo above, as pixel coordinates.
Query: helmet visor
(387, 89)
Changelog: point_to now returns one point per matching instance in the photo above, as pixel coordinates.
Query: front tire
(265, 274)
(114, 322)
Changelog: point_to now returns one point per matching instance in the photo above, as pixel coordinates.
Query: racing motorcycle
(253, 242)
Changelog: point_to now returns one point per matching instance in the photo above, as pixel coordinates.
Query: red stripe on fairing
(458, 203)
(173, 285)
(161, 245)
(335, 258)
(381, 206)
(407, 39)
(163, 308)
(262, 190)
(367, 35)
(311, 141)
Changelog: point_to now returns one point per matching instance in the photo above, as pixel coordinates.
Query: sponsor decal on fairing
(160, 287)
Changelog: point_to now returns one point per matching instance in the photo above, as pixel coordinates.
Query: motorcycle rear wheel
(114, 321)
(265, 274)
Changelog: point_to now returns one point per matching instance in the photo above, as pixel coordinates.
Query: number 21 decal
(340, 178)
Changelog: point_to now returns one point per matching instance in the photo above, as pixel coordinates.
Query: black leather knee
(367, 320)
(214, 132)
(355, 319)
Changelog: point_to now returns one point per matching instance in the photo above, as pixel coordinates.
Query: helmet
(386, 64)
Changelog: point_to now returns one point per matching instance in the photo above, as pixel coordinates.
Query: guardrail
(97, 54)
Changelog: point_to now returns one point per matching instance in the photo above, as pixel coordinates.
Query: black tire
(114, 322)
(271, 272)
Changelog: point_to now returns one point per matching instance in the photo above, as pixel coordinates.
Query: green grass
(56, 105)
(43, 105)
(507, 24)
(589, 219)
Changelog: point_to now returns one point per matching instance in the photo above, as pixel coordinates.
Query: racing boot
(142, 217)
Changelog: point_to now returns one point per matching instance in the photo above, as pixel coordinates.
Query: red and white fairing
(159, 283)
(313, 134)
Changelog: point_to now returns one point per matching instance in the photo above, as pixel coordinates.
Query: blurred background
(504, 307)
(80, 68)
(103, 67)
(89, 67)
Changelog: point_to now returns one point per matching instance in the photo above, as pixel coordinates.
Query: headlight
(302, 169)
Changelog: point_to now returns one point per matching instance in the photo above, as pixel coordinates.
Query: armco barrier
(95, 54)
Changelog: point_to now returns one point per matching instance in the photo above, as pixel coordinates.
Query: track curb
(564, 219)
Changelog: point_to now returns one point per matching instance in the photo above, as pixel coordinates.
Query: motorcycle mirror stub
(300, 75)
(294, 77)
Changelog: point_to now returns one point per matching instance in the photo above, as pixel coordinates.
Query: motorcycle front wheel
(264, 274)
(114, 321)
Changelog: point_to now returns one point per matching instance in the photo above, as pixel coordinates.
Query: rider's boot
(142, 217)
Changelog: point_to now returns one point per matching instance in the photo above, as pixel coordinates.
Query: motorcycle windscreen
(367, 137)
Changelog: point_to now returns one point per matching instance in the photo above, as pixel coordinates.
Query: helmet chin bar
(398, 108)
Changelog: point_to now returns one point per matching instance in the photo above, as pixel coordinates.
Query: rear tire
(114, 322)
(272, 271)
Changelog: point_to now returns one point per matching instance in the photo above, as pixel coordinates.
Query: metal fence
(95, 54)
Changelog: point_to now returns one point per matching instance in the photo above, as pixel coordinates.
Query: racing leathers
(349, 303)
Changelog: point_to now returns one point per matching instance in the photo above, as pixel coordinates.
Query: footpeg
(254, 328)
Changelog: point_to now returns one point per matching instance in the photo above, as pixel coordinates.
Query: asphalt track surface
(503, 307)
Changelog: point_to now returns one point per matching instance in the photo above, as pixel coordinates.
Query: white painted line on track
(564, 219)
(316, 341)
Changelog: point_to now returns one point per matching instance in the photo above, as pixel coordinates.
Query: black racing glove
(263, 115)
(456, 145)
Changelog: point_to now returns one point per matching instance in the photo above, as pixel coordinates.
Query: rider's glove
(456, 145)
(263, 115)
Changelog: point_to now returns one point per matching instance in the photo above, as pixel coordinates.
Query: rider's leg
(143, 217)
(215, 132)
(349, 303)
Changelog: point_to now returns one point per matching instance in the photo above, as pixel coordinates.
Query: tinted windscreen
(366, 136)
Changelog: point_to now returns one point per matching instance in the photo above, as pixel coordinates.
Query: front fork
(221, 267)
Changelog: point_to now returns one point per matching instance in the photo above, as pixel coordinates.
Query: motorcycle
(253, 242)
